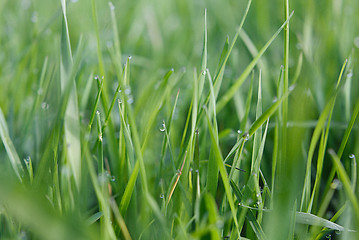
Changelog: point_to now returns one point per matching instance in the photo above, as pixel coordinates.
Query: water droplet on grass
(163, 127)
(112, 7)
(351, 156)
(44, 105)
(162, 195)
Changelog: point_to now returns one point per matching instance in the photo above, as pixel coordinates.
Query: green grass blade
(346, 183)
(71, 122)
(239, 81)
(223, 173)
(10, 148)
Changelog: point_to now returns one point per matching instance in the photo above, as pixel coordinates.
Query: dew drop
(39, 91)
(163, 128)
(239, 131)
(204, 72)
(27, 160)
(113, 178)
(130, 100)
(129, 57)
(257, 195)
(275, 99)
(44, 105)
(34, 17)
(162, 195)
(128, 91)
(112, 7)
(350, 74)
(246, 137)
(291, 87)
(351, 156)
(96, 77)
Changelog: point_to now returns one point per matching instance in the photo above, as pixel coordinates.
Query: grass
(179, 120)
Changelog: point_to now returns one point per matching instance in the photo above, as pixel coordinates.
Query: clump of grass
(112, 138)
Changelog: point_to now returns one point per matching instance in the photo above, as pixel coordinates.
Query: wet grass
(180, 120)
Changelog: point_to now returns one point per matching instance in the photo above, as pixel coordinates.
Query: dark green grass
(179, 119)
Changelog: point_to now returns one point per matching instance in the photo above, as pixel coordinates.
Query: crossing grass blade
(326, 114)
(239, 81)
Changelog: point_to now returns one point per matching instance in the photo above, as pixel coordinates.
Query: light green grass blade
(223, 173)
(305, 202)
(239, 81)
(348, 130)
(121, 222)
(10, 148)
(71, 122)
(346, 183)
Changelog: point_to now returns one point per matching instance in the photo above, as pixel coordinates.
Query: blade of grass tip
(218, 76)
(126, 197)
(239, 81)
(248, 105)
(135, 139)
(310, 219)
(101, 166)
(115, 35)
(103, 200)
(157, 106)
(28, 164)
(237, 156)
(104, 96)
(298, 69)
(94, 109)
(219, 159)
(71, 118)
(305, 202)
(225, 55)
(346, 182)
(10, 148)
(128, 144)
(121, 222)
(354, 171)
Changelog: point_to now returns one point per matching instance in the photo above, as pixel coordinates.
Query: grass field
(179, 119)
